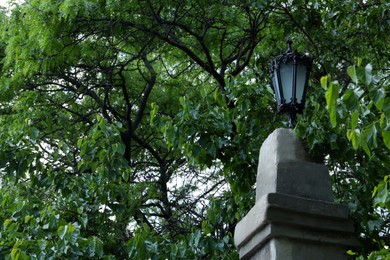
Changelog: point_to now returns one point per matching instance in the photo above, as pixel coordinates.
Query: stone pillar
(295, 216)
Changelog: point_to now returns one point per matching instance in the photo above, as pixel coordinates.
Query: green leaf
(15, 254)
(324, 82)
(62, 230)
(369, 138)
(197, 236)
(382, 193)
(386, 107)
(27, 218)
(42, 244)
(84, 219)
(378, 96)
(370, 135)
(368, 76)
(350, 100)
(34, 132)
(183, 102)
(153, 113)
(99, 247)
(354, 137)
(331, 96)
(354, 119)
(352, 74)
(365, 147)
(18, 207)
(6, 223)
(359, 61)
(46, 226)
(386, 138)
(382, 254)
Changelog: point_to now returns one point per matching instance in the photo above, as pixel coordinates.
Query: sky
(5, 2)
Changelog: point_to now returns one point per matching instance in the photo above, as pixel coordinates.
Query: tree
(131, 129)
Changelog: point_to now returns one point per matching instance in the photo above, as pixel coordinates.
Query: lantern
(290, 74)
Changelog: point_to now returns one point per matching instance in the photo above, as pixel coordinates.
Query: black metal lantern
(290, 74)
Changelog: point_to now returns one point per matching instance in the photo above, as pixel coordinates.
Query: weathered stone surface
(287, 249)
(281, 225)
(294, 216)
(285, 167)
(283, 215)
(282, 145)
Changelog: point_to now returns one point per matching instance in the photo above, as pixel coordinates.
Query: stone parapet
(293, 222)
(285, 167)
(294, 216)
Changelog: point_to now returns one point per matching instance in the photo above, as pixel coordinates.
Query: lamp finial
(289, 42)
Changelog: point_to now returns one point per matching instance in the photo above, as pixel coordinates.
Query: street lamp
(290, 74)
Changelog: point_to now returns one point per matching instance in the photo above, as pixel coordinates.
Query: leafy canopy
(131, 129)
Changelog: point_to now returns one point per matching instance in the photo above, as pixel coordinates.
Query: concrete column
(295, 216)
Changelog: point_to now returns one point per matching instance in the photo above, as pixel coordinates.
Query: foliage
(360, 115)
(131, 129)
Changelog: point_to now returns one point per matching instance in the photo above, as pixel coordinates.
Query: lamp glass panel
(301, 80)
(276, 86)
(286, 75)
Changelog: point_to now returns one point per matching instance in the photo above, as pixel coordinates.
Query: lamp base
(291, 121)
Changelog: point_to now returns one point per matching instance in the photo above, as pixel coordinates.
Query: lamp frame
(292, 107)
